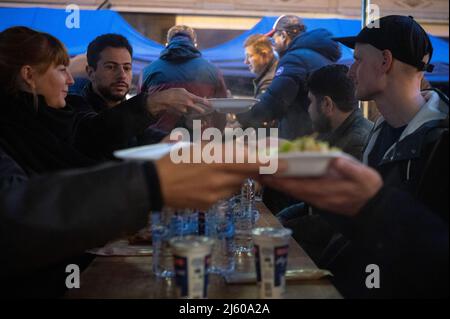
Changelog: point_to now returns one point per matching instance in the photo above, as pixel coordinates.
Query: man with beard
(261, 61)
(286, 99)
(334, 110)
(301, 52)
(338, 120)
(122, 123)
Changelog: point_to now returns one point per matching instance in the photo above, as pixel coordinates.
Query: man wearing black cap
(286, 99)
(395, 214)
(390, 62)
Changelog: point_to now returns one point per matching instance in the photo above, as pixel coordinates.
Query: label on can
(271, 264)
(191, 276)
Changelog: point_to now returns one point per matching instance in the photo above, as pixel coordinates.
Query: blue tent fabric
(92, 24)
(229, 56)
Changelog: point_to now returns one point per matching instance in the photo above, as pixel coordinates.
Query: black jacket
(406, 239)
(46, 220)
(100, 130)
(286, 98)
(404, 228)
(38, 137)
(351, 136)
(403, 165)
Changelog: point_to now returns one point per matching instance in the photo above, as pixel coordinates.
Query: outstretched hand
(200, 185)
(176, 100)
(345, 189)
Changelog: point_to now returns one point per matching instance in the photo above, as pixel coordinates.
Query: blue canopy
(229, 56)
(92, 24)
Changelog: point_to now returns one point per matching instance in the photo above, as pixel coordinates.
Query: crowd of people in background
(62, 192)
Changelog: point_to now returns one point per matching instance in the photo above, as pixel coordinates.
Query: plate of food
(233, 105)
(307, 157)
(149, 152)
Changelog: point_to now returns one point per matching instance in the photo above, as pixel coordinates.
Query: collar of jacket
(334, 136)
(180, 48)
(319, 41)
(266, 72)
(94, 100)
(410, 142)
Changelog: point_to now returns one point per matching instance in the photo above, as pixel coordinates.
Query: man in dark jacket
(334, 110)
(396, 218)
(105, 120)
(181, 65)
(286, 98)
(336, 117)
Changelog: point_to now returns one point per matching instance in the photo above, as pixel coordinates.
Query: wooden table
(132, 277)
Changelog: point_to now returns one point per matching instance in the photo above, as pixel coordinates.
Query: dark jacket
(402, 165)
(100, 130)
(38, 137)
(46, 220)
(180, 65)
(286, 98)
(404, 228)
(404, 235)
(351, 136)
(262, 82)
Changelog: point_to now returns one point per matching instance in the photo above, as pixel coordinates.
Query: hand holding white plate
(308, 164)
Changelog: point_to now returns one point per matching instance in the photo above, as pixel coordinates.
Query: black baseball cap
(402, 35)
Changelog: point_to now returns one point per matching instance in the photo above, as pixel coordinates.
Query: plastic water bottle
(219, 226)
(248, 195)
(244, 218)
(165, 225)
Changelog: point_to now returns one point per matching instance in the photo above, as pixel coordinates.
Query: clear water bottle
(165, 225)
(248, 191)
(219, 226)
(244, 218)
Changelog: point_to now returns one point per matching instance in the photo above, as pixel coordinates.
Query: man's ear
(27, 76)
(90, 72)
(387, 60)
(327, 106)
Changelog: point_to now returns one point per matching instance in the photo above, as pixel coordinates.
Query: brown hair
(260, 43)
(21, 46)
(181, 30)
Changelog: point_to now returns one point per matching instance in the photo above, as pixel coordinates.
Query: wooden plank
(132, 277)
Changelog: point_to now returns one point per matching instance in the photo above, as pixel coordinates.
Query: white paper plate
(149, 152)
(309, 164)
(230, 105)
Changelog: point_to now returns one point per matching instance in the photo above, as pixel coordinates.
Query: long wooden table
(132, 277)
